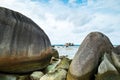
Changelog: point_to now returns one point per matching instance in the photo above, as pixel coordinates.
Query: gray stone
(117, 49)
(64, 63)
(52, 66)
(116, 60)
(59, 74)
(24, 46)
(85, 61)
(106, 65)
(106, 70)
(36, 75)
(55, 53)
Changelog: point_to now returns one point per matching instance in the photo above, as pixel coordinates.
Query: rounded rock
(24, 46)
(86, 60)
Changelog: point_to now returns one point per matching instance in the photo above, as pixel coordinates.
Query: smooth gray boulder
(87, 58)
(24, 46)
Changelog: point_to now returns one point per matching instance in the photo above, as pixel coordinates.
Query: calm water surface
(70, 51)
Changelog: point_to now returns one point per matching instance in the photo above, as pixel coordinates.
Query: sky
(71, 20)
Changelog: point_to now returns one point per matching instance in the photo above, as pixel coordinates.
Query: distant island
(66, 44)
(69, 44)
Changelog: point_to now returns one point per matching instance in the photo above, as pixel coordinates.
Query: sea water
(69, 51)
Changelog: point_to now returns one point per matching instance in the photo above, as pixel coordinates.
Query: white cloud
(72, 2)
(64, 23)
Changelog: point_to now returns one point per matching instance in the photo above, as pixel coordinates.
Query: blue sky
(71, 20)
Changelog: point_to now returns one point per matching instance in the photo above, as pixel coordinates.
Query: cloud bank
(71, 20)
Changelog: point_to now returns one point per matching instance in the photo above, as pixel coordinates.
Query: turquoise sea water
(69, 51)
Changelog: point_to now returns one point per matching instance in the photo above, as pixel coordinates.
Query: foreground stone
(59, 74)
(52, 66)
(106, 70)
(36, 75)
(85, 61)
(24, 46)
(22, 77)
(7, 77)
(61, 63)
(57, 70)
(64, 63)
(14, 77)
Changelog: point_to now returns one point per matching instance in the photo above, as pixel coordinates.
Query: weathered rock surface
(57, 70)
(55, 53)
(59, 74)
(36, 75)
(117, 49)
(52, 66)
(23, 44)
(106, 70)
(106, 65)
(85, 61)
(64, 63)
(116, 60)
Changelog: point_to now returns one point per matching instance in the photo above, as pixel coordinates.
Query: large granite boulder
(87, 58)
(24, 46)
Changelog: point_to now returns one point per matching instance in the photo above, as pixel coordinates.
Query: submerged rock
(24, 46)
(106, 70)
(85, 61)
